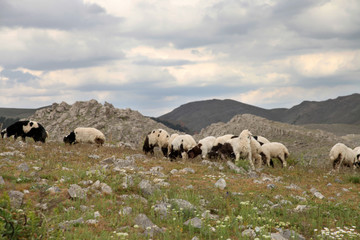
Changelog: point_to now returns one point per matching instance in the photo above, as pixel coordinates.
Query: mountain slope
(198, 115)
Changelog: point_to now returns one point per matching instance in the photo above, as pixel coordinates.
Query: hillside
(197, 115)
(118, 125)
(10, 115)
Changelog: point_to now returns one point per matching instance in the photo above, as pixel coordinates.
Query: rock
(23, 167)
(145, 223)
(161, 209)
(316, 193)
(67, 224)
(248, 233)
(121, 163)
(221, 184)
(106, 189)
(183, 204)
(109, 160)
(174, 171)
(271, 186)
(75, 191)
(127, 182)
(194, 222)
(94, 156)
(253, 174)
(2, 182)
(92, 221)
(146, 188)
(187, 170)
(125, 211)
(97, 214)
(338, 180)
(54, 189)
(290, 234)
(235, 168)
(277, 236)
(293, 187)
(16, 199)
(208, 215)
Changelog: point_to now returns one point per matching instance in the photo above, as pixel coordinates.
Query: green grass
(62, 166)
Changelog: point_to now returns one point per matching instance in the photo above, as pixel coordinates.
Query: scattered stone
(121, 163)
(134, 196)
(208, 215)
(97, 214)
(290, 234)
(75, 191)
(42, 206)
(293, 187)
(92, 221)
(109, 160)
(190, 187)
(187, 170)
(65, 225)
(329, 184)
(23, 167)
(271, 186)
(338, 180)
(300, 208)
(195, 238)
(248, 233)
(316, 193)
(127, 182)
(84, 208)
(253, 174)
(235, 168)
(146, 188)
(54, 190)
(345, 190)
(125, 211)
(221, 184)
(161, 209)
(2, 182)
(145, 223)
(277, 236)
(174, 171)
(16, 199)
(106, 189)
(94, 156)
(183, 204)
(194, 222)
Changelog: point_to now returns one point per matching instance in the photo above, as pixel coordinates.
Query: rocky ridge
(126, 126)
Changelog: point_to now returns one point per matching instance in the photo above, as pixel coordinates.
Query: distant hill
(10, 115)
(198, 115)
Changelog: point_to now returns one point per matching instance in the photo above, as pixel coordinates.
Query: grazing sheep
(255, 151)
(203, 147)
(180, 145)
(25, 129)
(218, 143)
(340, 154)
(261, 140)
(357, 151)
(156, 138)
(274, 150)
(240, 147)
(171, 138)
(85, 135)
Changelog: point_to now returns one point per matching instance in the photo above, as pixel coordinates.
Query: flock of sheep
(256, 149)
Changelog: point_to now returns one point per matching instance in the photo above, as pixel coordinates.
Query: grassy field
(266, 202)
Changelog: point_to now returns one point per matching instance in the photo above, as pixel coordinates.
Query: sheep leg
(271, 163)
(251, 162)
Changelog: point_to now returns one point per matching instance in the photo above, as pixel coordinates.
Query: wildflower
(136, 226)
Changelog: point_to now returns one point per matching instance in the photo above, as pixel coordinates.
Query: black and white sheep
(180, 145)
(357, 151)
(25, 129)
(156, 138)
(340, 154)
(202, 148)
(218, 143)
(171, 138)
(85, 135)
(274, 150)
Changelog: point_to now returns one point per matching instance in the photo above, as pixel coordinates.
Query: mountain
(197, 115)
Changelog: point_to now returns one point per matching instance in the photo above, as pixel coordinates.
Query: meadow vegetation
(266, 202)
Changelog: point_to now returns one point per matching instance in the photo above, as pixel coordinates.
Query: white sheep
(171, 138)
(274, 150)
(242, 147)
(261, 139)
(203, 147)
(340, 154)
(180, 145)
(156, 138)
(85, 135)
(255, 151)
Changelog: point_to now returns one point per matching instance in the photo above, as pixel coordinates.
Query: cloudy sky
(154, 55)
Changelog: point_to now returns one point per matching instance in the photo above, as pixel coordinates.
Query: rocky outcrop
(118, 125)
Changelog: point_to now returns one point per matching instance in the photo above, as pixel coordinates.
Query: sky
(155, 55)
